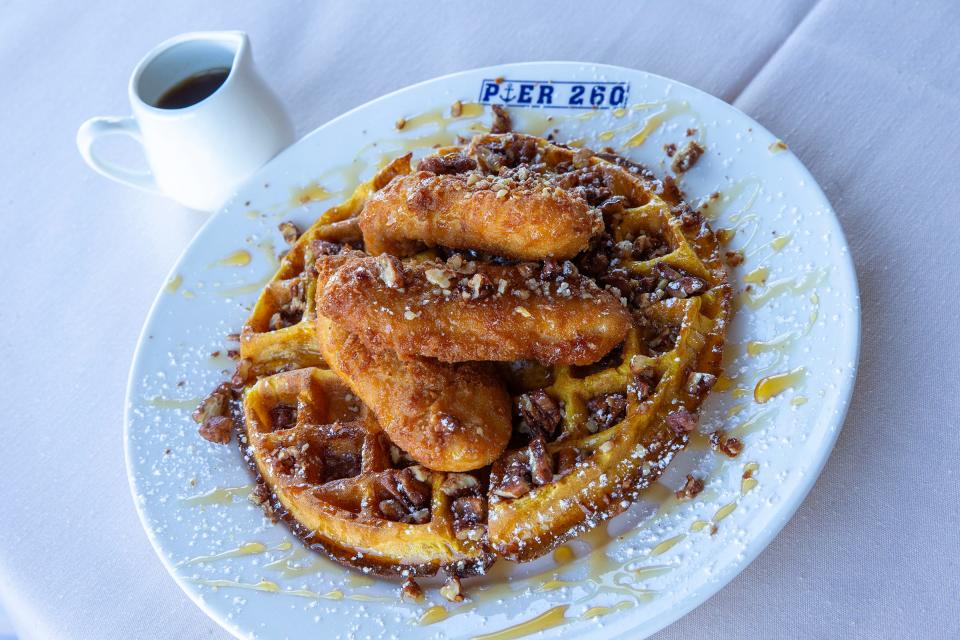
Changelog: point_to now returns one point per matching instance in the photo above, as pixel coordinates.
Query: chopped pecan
(325, 248)
(392, 509)
(648, 247)
(411, 591)
(541, 463)
(217, 403)
(681, 421)
(283, 416)
(662, 339)
(671, 191)
(567, 460)
(608, 409)
(404, 486)
(619, 279)
(642, 383)
(391, 271)
(687, 157)
(612, 206)
(514, 483)
(217, 429)
(539, 411)
(456, 484)
(691, 489)
(261, 497)
(290, 232)
(734, 258)
(680, 285)
(550, 270)
(501, 120)
(686, 286)
(699, 383)
(452, 590)
(469, 511)
(731, 447)
(447, 164)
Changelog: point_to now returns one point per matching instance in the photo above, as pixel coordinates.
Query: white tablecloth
(867, 94)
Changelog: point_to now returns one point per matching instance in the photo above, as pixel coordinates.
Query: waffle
(345, 490)
(583, 438)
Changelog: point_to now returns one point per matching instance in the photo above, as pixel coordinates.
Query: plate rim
(730, 570)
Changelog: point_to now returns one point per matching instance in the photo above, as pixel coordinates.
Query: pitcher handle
(96, 128)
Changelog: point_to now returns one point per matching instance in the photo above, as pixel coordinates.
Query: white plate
(256, 580)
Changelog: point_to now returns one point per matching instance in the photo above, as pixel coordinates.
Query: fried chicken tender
(518, 214)
(446, 417)
(463, 311)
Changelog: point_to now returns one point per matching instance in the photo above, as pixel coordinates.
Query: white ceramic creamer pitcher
(198, 154)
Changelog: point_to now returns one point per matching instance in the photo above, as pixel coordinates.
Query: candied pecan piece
(681, 421)
(392, 509)
(539, 411)
(691, 489)
(261, 497)
(405, 487)
(700, 383)
(283, 416)
(643, 382)
(664, 339)
(680, 285)
(217, 429)
(619, 279)
(411, 591)
(469, 510)
(612, 206)
(608, 409)
(452, 590)
(289, 231)
(734, 258)
(447, 164)
(550, 270)
(686, 286)
(687, 157)
(514, 483)
(689, 218)
(217, 403)
(541, 463)
(490, 160)
(325, 248)
(501, 120)
(457, 484)
(731, 447)
(567, 460)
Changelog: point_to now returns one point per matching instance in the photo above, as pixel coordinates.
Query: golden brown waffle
(586, 439)
(335, 479)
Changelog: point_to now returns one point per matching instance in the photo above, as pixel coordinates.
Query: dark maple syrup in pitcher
(193, 89)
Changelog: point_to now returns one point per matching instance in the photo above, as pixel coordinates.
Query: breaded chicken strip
(446, 417)
(462, 311)
(518, 214)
